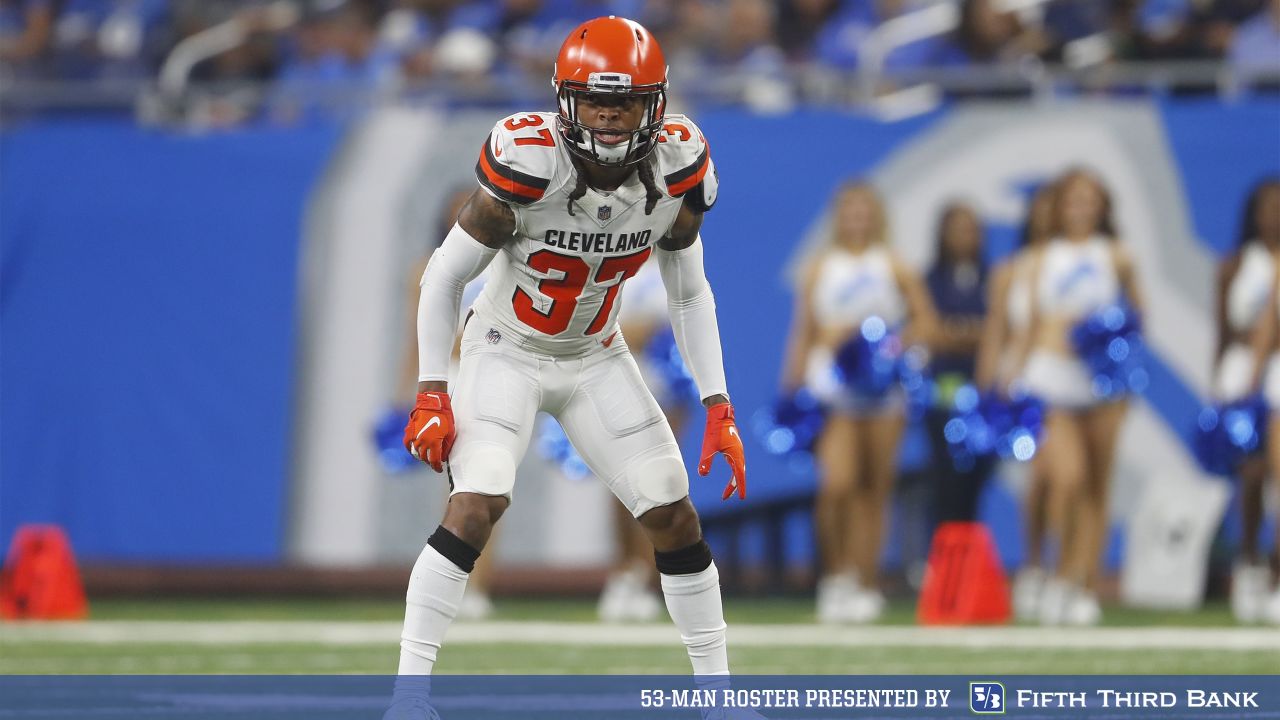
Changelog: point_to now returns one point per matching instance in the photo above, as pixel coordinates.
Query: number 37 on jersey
(562, 273)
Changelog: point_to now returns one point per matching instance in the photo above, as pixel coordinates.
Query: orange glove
(721, 436)
(429, 435)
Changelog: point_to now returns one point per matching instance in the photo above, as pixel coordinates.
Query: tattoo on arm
(488, 219)
(684, 231)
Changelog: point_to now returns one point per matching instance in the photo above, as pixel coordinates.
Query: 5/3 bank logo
(986, 698)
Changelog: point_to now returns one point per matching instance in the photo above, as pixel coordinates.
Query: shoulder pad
(684, 159)
(518, 159)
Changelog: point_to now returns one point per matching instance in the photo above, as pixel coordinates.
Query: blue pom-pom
(1019, 423)
(966, 399)
(388, 439)
(868, 363)
(956, 430)
(988, 425)
(913, 374)
(790, 428)
(663, 354)
(1110, 343)
(873, 329)
(1227, 434)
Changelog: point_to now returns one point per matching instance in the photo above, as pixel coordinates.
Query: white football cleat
(1249, 591)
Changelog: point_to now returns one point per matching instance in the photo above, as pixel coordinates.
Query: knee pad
(659, 479)
(483, 468)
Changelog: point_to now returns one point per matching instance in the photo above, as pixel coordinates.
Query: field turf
(776, 636)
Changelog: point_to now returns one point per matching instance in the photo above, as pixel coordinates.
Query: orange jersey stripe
(507, 184)
(692, 181)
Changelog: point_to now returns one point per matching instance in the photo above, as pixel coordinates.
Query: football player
(1003, 336)
(570, 206)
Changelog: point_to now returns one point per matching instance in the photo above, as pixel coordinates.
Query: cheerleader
(1266, 368)
(957, 283)
(1245, 279)
(1080, 270)
(1004, 332)
(853, 277)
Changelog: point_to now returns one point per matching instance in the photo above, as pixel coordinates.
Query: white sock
(435, 590)
(694, 604)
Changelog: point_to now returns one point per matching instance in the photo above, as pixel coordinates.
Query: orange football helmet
(611, 56)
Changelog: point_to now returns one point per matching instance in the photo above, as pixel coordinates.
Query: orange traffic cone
(964, 583)
(40, 580)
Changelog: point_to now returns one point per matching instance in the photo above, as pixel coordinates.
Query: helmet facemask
(582, 140)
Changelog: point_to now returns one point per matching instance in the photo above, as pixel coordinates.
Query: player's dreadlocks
(579, 182)
(651, 192)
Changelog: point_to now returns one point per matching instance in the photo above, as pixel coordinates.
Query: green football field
(562, 637)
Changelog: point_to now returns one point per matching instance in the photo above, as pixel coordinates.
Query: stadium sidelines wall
(147, 301)
(168, 398)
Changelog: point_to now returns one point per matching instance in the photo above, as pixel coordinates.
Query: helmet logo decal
(609, 81)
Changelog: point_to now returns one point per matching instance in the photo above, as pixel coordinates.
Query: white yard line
(111, 632)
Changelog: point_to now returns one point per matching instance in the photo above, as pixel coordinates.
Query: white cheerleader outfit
(1075, 280)
(1246, 298)
(848, 290)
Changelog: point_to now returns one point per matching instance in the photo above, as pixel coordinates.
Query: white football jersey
(555, 287)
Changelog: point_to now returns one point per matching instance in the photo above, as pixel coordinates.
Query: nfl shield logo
(604, 212)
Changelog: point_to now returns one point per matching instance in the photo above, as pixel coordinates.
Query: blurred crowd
(510, 43)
